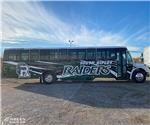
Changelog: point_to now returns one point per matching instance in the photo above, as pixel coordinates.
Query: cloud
(87, 37)
(25, 21)
(132, 48)
(138, 35)
(30, 20)
(143, 37)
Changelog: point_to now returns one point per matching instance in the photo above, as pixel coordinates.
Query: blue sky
(52, 24)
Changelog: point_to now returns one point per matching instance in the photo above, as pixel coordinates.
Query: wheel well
(48, 71)
(139, 69)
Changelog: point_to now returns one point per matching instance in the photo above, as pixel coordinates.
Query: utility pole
(70, 42)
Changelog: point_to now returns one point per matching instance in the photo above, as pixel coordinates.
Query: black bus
(88, 63)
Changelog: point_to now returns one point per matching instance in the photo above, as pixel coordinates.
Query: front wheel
(48, 77)
(139, 76)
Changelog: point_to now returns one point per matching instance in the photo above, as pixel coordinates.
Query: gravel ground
(77, 103)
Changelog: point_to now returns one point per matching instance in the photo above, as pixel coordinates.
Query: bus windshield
(129, 58)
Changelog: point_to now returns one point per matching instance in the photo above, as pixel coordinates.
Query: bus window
(34, 55)
(119, 64)
(124, 61)
(52, 55)
(44, 55)
(57, 55)
(107, 54)
(73, 55)
(24, 56)
(118, 57)
(110, 54)
(12, 56)
(62, 54)
(113, 55)
(99, 55)
(124, 58)
(103, 55)
(129, 58)
(6, 55)
(81, 54)
(90, 54)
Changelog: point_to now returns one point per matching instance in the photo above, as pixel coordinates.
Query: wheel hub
(49, 78)
(139, 76)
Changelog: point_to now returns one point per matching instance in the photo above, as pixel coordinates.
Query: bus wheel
(139, 76)
(48, 77)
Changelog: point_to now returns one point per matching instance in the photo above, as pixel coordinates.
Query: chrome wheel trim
(139, 76)
(48, 78)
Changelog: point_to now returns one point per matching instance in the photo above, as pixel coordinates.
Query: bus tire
(139, 76)
(49, 77)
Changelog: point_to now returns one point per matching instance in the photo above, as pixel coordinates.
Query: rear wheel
(139, 76)
(48, 77)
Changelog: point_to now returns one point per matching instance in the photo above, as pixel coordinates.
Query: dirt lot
(65, 103)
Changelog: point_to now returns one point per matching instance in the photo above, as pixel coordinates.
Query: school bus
(86, 63)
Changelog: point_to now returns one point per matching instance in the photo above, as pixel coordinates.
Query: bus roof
(103, 47)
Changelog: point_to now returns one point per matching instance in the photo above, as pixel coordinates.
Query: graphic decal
(101, 67)
(22, 70)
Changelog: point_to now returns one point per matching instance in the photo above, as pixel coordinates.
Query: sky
(47, 24)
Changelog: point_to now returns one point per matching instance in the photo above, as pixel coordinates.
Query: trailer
(146, 56)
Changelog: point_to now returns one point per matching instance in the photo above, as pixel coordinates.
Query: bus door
(119, 64)
(123, 64)
(127, 64)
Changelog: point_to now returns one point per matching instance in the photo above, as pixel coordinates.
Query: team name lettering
(89, 68)
(85, 70)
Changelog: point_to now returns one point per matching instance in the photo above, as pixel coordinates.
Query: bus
(86, 63)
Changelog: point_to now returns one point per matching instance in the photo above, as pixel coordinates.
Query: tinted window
(62, 54)
(44, 55)
(6, 53)
(100, 54)
(24, 55)
(13, 55)
(81, 54)
(73, 54)
(52, 54)
(90, 54)
(129, 58)
(34, 55)
(111, 54)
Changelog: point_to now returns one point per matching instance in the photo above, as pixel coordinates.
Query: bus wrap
(55, 64)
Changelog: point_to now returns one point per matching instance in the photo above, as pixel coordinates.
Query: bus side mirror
(141, 57)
